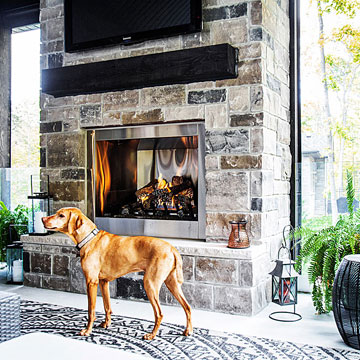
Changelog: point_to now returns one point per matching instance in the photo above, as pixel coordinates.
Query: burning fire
(103, 178)
(162, 183)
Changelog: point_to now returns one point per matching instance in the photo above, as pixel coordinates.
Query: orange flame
(103, 178)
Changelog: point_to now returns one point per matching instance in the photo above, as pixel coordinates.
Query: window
(330, 108)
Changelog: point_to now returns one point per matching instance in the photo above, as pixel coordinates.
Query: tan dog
(106, 257)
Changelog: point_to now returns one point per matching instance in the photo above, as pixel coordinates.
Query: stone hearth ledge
(216, 278)
(184, 246)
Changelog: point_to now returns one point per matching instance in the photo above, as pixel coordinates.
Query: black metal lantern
(41, 205)
(284, 285)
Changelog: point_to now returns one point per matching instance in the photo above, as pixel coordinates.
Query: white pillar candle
(38, 225)
(17, 275)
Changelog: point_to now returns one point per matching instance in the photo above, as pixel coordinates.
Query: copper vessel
(238, 238)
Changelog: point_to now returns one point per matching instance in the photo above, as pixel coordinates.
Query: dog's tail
(178, 267)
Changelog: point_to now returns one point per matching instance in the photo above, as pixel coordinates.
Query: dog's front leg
(91, 293)
(104, 286)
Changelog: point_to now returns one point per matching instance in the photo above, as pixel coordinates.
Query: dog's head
(66, 220)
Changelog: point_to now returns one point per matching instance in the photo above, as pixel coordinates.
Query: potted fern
(323, 250)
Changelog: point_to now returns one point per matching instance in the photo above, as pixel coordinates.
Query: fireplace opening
(149, 180)
(152, 178)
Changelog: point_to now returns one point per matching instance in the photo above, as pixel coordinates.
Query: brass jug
(238, 238)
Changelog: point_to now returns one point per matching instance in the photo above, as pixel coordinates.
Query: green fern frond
(350, 192)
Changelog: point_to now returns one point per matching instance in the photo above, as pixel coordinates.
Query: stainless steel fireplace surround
(128, 162)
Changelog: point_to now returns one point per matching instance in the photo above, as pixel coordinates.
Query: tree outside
(25, 114)
(330, 94)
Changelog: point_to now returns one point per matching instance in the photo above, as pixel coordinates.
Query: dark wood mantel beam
(207, 63)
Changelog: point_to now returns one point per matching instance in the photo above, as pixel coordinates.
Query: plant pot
(346, 300)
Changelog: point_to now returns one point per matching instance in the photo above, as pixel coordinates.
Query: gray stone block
(50, 127)
(241, 162)
(66, 150)
(256, 34)
(206, 96)
(167, 95)
(256, 13)
(229, 141)
(216, 271)
(199, 296)
(32, 280)
(56, 283)
(256, 98)
(50, 249)
(225, 12)
(54, 29)
(73, 174)
(256, 183)
(90, 115)
(142, 117)
(247, 120)
(227, 191)
(40, 263)
(60, 265)
(55, 60)
(233, 300)
(260, 297)
(121, 100)
(77, 278)
(273, 83)
(67, 190)
(188, 267)
(128, 288)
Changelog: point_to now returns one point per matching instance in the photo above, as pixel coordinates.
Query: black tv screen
(94, 23)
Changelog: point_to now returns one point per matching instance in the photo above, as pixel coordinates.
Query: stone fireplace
(247, 159)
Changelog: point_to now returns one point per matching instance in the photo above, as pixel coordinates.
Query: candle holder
(284, 283)
(14, 260)
(41, 205)
(238, 238)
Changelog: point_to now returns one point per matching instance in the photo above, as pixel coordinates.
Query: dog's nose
(43, 219)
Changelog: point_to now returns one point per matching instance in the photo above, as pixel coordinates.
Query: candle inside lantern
(17, 274)
(38, 225)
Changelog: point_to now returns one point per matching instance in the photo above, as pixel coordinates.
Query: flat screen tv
(94, 23)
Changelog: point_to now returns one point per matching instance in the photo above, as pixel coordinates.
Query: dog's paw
(85, 332)
(105, 324)
(149, 336)
(187, 332)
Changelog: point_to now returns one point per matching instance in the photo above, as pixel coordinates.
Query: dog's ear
(78, 222)
(74, 223)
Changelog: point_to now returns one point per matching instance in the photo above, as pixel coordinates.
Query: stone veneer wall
(247, 119)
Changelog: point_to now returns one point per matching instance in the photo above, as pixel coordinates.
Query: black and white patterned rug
(126, 333)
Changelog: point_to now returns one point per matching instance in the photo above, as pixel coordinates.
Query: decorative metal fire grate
(163, 200)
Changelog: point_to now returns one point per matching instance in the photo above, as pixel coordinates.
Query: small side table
(9, 316)
(346, 300)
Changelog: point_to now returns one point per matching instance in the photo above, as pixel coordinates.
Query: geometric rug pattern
(126, 334)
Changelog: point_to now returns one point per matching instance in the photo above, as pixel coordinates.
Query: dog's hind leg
(91, 293)
(175, 288)
(153, 279)
(104, 287)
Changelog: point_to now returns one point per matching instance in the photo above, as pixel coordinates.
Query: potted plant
(324, 249)
(19, 217)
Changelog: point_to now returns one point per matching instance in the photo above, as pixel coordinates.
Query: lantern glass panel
(40, 203)
(39, 208)
(284, 290)
(14, 252)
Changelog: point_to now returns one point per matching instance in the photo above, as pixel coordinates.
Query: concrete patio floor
(312, 329)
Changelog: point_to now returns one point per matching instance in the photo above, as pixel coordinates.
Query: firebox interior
(150, 178)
